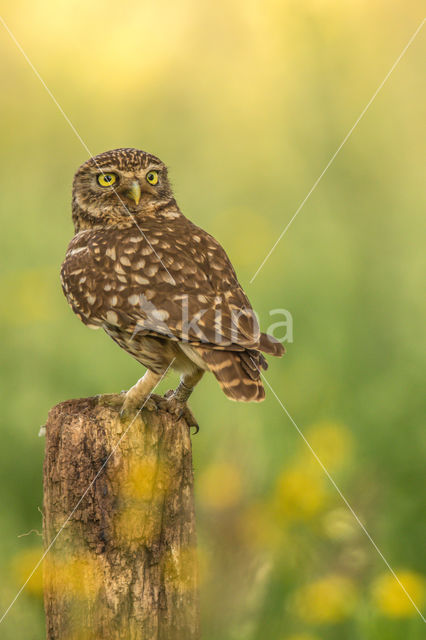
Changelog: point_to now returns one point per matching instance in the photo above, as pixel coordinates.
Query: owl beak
(134, 193)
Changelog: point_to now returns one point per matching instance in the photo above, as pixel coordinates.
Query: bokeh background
(246, 101)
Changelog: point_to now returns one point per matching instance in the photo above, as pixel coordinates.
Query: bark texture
(124, 565)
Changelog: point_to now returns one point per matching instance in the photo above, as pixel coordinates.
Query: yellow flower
(220, 486)
(390, 598)
(300, 493)
(22, 565)
(331, 441)
(330, 599)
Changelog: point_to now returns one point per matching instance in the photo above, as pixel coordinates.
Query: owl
(160, 286)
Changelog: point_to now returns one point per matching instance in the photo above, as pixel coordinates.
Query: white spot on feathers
(111, 317)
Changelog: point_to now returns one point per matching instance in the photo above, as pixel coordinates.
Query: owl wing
(180, 284)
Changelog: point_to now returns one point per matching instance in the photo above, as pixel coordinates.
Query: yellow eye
(152, 177)
(106, 179)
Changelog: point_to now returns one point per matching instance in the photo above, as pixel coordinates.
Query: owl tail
(270, 345)
(238, 372)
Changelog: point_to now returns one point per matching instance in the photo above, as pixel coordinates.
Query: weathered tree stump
(124, 565)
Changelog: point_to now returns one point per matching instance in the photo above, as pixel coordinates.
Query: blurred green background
(246, 101)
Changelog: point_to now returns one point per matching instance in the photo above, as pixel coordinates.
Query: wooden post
(124, 566)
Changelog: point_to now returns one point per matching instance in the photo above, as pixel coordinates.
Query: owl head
(117, 186)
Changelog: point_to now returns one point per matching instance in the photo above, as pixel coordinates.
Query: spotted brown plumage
(160, 286)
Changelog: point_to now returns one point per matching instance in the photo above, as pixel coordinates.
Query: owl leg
(138, 396)
(176, 400)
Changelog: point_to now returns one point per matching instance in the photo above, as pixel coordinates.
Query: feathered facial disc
(117, 182)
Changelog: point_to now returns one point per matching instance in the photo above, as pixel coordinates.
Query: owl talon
(180, 410)
(150, 405)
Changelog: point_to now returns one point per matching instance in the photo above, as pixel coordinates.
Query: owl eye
(152, 177)
(106, 179)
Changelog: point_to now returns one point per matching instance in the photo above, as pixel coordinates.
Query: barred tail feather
(271, 345)
(238, 373)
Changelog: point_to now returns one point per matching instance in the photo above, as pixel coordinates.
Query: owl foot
(180, 409)
(130, 408)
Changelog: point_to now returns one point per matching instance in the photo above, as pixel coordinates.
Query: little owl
(160, 286)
